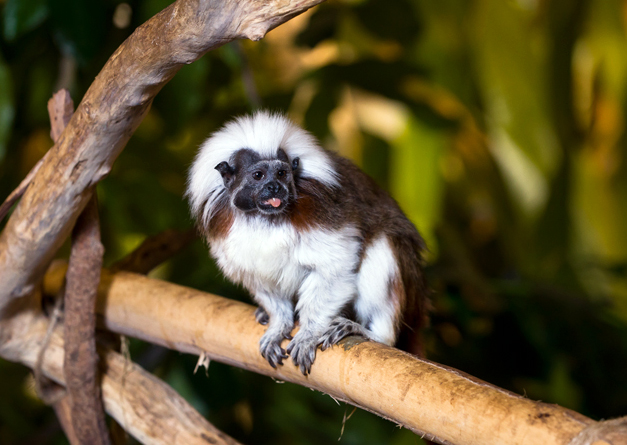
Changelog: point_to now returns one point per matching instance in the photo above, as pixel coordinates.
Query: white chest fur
(275, 258)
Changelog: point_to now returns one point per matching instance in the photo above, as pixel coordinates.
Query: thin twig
(155, 250)
(60, 110)
(80, 366)
(83, 414)
(49, 392)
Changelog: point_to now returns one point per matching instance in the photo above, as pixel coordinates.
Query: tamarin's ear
(226, 171)
(295, 163)
(282, 156)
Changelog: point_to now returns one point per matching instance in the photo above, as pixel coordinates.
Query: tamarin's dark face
(256, 184)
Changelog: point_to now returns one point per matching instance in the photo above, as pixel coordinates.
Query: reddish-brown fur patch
(311, 207)
(220, 223)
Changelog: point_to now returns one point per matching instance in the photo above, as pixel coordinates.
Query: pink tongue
(274, 202)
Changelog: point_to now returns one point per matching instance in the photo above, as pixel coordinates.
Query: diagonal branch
(108, 115)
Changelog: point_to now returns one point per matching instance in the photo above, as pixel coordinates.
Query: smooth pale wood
(428, 398)
(143, 405)
(109, 113)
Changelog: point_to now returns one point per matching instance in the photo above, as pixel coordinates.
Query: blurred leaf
(39, 86)
(376, 162)
(395, 20)
(182, 98)
(415, 182)
(510, 60)
(7, 110)
(444, 47)
(322, 25)
(316, 118)
(21, 16)
(80, 26)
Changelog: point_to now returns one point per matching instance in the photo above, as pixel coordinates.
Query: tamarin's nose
(273, 187)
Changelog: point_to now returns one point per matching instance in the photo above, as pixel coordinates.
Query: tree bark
(80, 412)
(81, 359)
(437, 402)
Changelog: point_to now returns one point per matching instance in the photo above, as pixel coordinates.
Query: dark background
(498, 125)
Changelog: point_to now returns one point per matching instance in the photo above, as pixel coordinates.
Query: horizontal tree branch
(143, 405)
(430, 399)
(109, 113)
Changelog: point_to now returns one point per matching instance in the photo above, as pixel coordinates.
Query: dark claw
(271, 350)
(303, 353)
(338, 329)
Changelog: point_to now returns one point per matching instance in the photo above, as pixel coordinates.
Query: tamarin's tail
(417, 303)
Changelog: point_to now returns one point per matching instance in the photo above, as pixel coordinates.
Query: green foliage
(21, 16)
(7, 106)
(79, 27)
(498, 126)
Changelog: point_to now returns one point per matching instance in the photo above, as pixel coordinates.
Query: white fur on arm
(280, 311)
(378, 306)
(331, 282)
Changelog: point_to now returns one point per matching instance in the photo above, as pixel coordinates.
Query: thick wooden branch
(108, 115)
(143, 405)
(442, 403)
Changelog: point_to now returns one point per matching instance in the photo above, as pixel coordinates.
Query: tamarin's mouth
(272, 205)
(274, 202)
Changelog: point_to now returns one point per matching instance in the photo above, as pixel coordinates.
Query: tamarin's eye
(281, 173)
(257, 175)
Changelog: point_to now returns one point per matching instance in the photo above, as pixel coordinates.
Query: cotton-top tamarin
(311, 236)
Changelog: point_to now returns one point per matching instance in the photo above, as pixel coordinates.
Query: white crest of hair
(264, 133)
